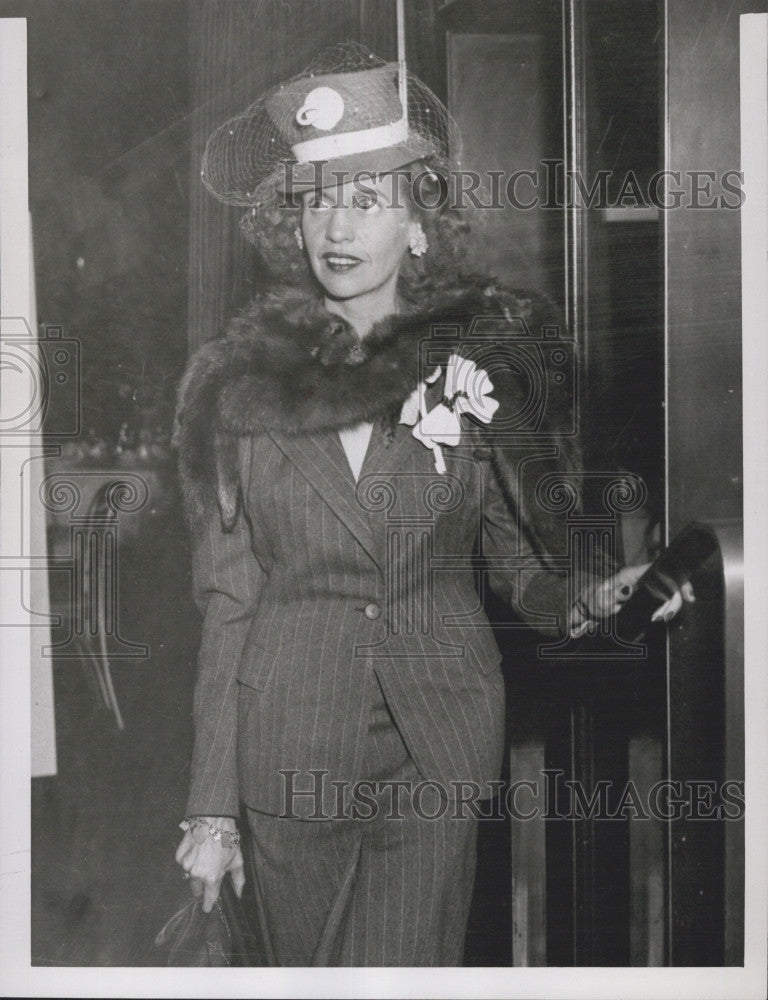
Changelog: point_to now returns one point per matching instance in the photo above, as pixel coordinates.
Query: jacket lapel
(381, 453)
(321, 460)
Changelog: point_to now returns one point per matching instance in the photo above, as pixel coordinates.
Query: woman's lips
(339, 263)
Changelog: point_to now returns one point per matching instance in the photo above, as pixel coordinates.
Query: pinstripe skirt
(385, 884)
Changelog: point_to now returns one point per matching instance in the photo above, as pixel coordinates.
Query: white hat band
(331, 147)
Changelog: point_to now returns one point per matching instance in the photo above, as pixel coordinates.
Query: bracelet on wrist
(227, 838)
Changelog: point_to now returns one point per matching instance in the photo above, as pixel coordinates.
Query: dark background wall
(108, 165)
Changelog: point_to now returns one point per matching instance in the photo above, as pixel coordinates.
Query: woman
(342, 450)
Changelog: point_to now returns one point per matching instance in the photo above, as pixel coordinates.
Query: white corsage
(466, 390)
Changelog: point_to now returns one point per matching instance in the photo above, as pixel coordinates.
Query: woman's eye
(365, 202)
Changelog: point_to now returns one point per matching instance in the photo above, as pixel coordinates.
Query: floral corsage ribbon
(467, 390)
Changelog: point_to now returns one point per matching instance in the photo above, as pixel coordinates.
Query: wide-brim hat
(349, 113)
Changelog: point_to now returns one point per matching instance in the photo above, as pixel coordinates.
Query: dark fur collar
(287, 364)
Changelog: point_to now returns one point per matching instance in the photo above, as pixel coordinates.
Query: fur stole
(287, 364)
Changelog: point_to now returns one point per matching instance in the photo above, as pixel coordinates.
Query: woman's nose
(341, 225)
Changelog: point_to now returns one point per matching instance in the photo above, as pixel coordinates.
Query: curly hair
(271, 226)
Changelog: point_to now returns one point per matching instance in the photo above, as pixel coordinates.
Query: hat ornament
(323, 107)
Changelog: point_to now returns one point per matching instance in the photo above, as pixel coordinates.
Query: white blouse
(354, 441)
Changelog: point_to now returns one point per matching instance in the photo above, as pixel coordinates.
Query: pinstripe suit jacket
(322, 579)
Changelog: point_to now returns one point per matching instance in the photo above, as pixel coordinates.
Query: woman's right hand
(206, 861)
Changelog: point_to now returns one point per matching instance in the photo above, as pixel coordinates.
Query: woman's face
(356, 237)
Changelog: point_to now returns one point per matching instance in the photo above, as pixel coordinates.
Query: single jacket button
(372, 611)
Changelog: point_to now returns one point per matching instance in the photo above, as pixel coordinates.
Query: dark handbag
(680, 560)
(223, 937)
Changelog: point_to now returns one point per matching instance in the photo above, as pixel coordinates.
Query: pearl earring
(417, 240)
(299, 238)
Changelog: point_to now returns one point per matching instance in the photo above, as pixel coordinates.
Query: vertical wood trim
(585, 291)
(574, 157)
(529, 868)
(665, 148)
(754, 291)
(646, 856)
(583, 836)
(215, 245)
(732, 548)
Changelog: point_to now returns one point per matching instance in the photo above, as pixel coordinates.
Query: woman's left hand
(604, 598)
